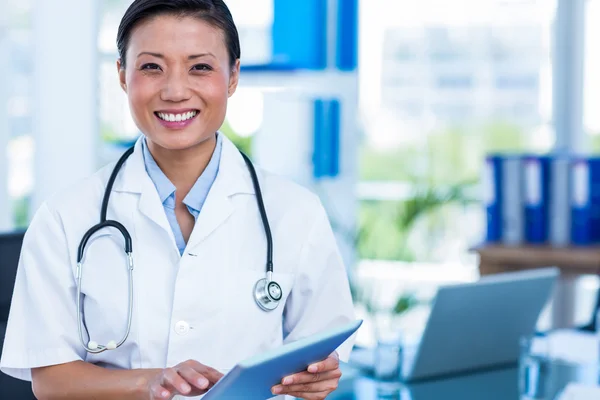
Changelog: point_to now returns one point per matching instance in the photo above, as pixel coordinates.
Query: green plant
(404, 303)
(243, 143)
(428, 199)
(367, 295)
(378, 237)
(440, 169)
(385, 227)
(21, 212)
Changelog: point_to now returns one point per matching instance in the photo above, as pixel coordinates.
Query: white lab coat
(196, 306)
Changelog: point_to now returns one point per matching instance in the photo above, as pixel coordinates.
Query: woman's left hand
(316, 383)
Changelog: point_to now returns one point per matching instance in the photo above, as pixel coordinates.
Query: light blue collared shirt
(195, 198)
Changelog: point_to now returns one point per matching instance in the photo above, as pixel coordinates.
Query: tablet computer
(252, 379)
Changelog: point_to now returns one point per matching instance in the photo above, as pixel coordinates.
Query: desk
(546, 374)
(572, 261)
(499, 384)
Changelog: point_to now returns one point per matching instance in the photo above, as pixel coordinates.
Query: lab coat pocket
(248, 329)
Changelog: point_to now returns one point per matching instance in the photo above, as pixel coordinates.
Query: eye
(201, 67)
(150, 66)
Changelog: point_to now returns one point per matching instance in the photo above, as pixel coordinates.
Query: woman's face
(178, 79)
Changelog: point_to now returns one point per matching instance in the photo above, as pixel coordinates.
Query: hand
(189, 378)
(316, 383)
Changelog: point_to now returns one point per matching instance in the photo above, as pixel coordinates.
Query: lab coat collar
(232, 169)
(232, 179)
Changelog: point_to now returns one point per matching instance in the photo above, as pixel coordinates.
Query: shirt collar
(197, 194)
(163, 185)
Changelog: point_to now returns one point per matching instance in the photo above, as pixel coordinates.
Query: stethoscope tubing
(263, 297)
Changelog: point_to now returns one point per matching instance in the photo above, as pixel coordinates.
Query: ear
(234, 78)
(122, 75)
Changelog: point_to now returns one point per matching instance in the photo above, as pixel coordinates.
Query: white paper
(533, 183)
(489, 186)
(573, 346)
(575, 391)
(581, 184)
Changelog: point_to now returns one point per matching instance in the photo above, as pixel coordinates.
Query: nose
(176, 88)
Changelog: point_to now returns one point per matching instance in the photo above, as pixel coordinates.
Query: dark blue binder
(594, 163)
(492, 186)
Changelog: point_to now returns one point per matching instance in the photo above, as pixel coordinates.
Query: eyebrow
(190, 57)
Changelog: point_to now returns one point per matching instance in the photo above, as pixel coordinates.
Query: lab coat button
(182, 327)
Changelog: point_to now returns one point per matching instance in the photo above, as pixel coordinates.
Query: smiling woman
(197, 218)
(177, 66)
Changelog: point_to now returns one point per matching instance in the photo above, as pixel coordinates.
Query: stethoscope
(267, 292)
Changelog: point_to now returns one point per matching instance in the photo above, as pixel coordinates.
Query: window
(398, 45)
(15, 100)
(117, 129)
(591, 84)
(479, 75)
(447, 45)
(526, 82)
(454, 82)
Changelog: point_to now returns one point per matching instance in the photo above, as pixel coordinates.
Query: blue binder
(536, 198)
(594, 164)
(326, 153)
(513, 216)
(581, 208)
(560, 200)
(492, 197)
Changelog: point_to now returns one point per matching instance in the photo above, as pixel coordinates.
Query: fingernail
(313, 368)
(287, 381)
(185, 388)
(276, 390)
(164, 393)
(202, 382)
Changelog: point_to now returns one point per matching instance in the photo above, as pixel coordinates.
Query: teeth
(177, 117)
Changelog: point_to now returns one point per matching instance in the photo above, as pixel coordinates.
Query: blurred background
(385, 108)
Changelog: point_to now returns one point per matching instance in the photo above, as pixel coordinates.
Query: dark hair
(214, 12)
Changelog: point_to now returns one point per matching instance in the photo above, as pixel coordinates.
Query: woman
(186, 197)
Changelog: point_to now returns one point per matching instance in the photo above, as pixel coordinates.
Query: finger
(311, 387)
(310, 396)
(173, 382)
(193, 377)
(307, 377)
(330, 363)
(209, 373)
(159, 392)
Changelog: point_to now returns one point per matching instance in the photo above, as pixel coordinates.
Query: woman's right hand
(189, 378)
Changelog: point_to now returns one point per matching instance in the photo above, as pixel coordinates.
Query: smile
(170, 117)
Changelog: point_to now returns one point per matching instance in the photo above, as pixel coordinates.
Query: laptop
(474, 326)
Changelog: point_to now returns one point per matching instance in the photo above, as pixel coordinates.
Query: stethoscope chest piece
(267, 294)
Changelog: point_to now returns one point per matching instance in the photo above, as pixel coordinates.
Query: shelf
(584, 259)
